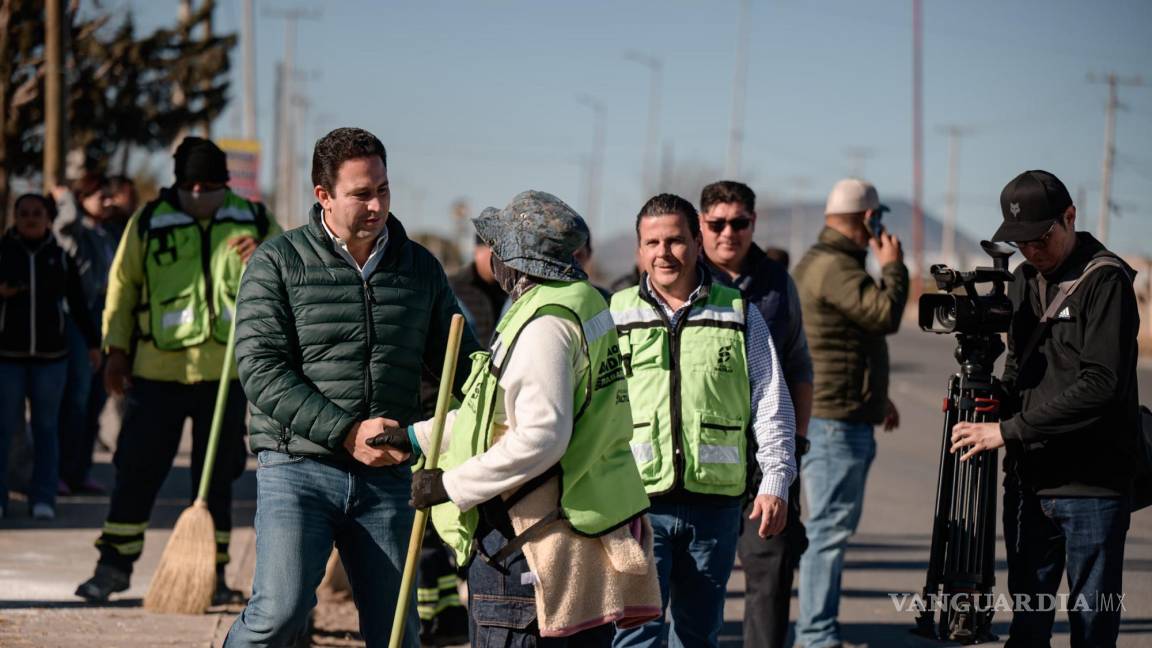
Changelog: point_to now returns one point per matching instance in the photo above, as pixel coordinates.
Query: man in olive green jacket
(846, 316)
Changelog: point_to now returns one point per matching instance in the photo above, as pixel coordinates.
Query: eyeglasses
(1041, 242)
(738, 224)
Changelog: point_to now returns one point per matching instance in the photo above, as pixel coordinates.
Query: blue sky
(479, 99)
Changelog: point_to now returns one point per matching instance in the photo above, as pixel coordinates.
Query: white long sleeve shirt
(533, 419)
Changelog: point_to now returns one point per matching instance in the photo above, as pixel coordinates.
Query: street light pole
(652, 142)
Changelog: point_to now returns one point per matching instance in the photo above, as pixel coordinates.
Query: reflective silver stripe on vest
(643, 452)
(598, 326)
(716, 313)
(719, 454)
(176, 318)
(498, 352)
(646, 315)
(233, 213)
(170, 219)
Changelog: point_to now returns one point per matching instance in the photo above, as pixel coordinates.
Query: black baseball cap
(1030, 203)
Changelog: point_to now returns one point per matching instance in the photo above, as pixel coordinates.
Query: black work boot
(225, 595)
(106, 581)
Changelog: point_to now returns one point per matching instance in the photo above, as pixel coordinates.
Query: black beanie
(200, 160)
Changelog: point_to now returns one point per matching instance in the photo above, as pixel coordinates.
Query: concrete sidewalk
(41, 564)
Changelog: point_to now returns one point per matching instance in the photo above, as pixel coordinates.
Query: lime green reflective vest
(689, 390)
(191, 274)
(600, 488)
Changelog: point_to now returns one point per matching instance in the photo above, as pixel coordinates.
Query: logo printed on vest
(611, 369)
(724, 359)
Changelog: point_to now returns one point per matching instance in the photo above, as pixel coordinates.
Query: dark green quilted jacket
(319, 348)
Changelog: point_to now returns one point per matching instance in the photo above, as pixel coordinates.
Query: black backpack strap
(263, 223)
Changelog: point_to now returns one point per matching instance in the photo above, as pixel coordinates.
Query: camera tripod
(961, 566)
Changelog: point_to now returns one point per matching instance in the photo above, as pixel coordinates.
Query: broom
(432, 455)
(186, 577)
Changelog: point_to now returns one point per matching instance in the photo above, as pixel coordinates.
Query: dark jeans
(1045, 534)
(769, 566)
(154, 414)
(84, 398)
(502, 609)
(39, 383)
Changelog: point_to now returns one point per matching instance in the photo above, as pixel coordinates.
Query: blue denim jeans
(76, 437)
(303, 506)
(502, 606)
(42, 384)
(834, 472)
(695, 548)
(1045, 534)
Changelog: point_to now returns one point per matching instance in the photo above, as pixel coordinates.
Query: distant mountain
(614, 257)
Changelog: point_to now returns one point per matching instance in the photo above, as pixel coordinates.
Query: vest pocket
(177, 322)
(646, 449)
(717, 450)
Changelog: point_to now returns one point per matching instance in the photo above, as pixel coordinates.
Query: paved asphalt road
(40, 564)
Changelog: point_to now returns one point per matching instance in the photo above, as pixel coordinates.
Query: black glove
(428, 488)
(393, 437)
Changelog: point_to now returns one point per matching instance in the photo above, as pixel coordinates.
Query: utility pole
(948, 236)
(739, 88)
(917, 152)
(249, 36)
(1109, 146)
(796, 228)
(655, 68)
(595, 164)
(54, 93)
(287, 187)
(857, 156)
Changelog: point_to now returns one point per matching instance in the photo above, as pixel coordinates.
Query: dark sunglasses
(718, 225)
(1041, 242)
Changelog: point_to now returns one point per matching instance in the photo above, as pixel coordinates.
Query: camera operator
(1069, 419)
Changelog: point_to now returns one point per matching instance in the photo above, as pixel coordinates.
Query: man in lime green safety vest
(537, 485)
(169, 309)
(702, 379)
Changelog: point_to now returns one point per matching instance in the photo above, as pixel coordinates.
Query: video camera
(969, 313)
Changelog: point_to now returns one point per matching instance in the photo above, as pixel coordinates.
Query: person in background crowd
(728, 219)
(847, 315)
(37, 279)
(171, 300)
(82, 229)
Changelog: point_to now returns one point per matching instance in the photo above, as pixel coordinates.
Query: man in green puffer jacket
(847, 314)
(335, 321)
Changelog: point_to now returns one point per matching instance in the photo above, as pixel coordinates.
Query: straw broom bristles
(186, 578)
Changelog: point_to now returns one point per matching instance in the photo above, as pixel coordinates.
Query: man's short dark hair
(727, 191)
(665, 204)
(339, 146)
(49, 205)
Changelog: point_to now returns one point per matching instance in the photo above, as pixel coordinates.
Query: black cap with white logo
(1030, 204)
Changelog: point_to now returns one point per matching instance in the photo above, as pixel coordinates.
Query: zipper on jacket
(32, 301)
(368, 301)
(676, 418)
(206, 263)
(3, 314)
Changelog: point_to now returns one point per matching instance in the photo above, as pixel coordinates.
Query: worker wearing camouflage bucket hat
(538, 486)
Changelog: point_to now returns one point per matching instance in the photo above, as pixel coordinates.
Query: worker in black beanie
(169, 308)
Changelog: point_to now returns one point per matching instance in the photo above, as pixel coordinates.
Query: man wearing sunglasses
(1070, 419)
(728, 214)
(847, 315)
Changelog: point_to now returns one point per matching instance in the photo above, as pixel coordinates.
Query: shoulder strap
(1065, 291)
(262, 220)
(144, 224)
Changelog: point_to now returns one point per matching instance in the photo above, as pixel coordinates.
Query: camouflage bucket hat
(535, 234)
